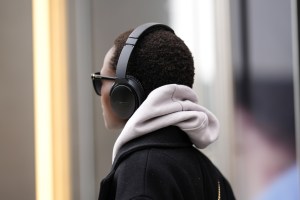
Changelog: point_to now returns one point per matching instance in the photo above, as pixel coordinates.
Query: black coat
(163, 165)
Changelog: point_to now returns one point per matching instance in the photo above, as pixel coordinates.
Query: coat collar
(168, 137)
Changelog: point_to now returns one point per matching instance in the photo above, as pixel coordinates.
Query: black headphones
(127, 93)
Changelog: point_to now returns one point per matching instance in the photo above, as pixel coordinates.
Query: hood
(171, 105)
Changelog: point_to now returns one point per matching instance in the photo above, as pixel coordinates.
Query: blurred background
(53, 141)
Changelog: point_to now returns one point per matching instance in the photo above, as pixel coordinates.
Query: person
(145, 86)
(266, 135)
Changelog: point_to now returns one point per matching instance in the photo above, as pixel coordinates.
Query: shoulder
(141, 163)
(187, 160)
(159, 173)
(155, 157)
(164, 173)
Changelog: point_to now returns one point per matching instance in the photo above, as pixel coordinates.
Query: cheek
(105, 97)
(106, 107)
(112, 121)
(104, 100)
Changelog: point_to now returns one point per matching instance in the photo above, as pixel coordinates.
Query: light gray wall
(270, 39)
(81, 99)
(16, 101)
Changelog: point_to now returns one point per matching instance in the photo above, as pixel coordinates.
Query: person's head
(159, 58)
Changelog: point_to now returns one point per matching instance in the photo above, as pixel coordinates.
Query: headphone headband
(130, 44)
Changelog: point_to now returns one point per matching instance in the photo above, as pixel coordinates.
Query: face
(111, 120)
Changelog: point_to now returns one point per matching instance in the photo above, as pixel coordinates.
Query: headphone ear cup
(126, 96)
(138, 88)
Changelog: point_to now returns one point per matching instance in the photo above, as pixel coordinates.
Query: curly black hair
(159, 58)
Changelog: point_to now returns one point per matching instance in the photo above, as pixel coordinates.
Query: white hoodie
(171, 105)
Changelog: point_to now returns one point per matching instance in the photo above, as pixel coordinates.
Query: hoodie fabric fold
(171, 105)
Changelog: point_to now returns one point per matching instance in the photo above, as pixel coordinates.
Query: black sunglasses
(97, 81)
